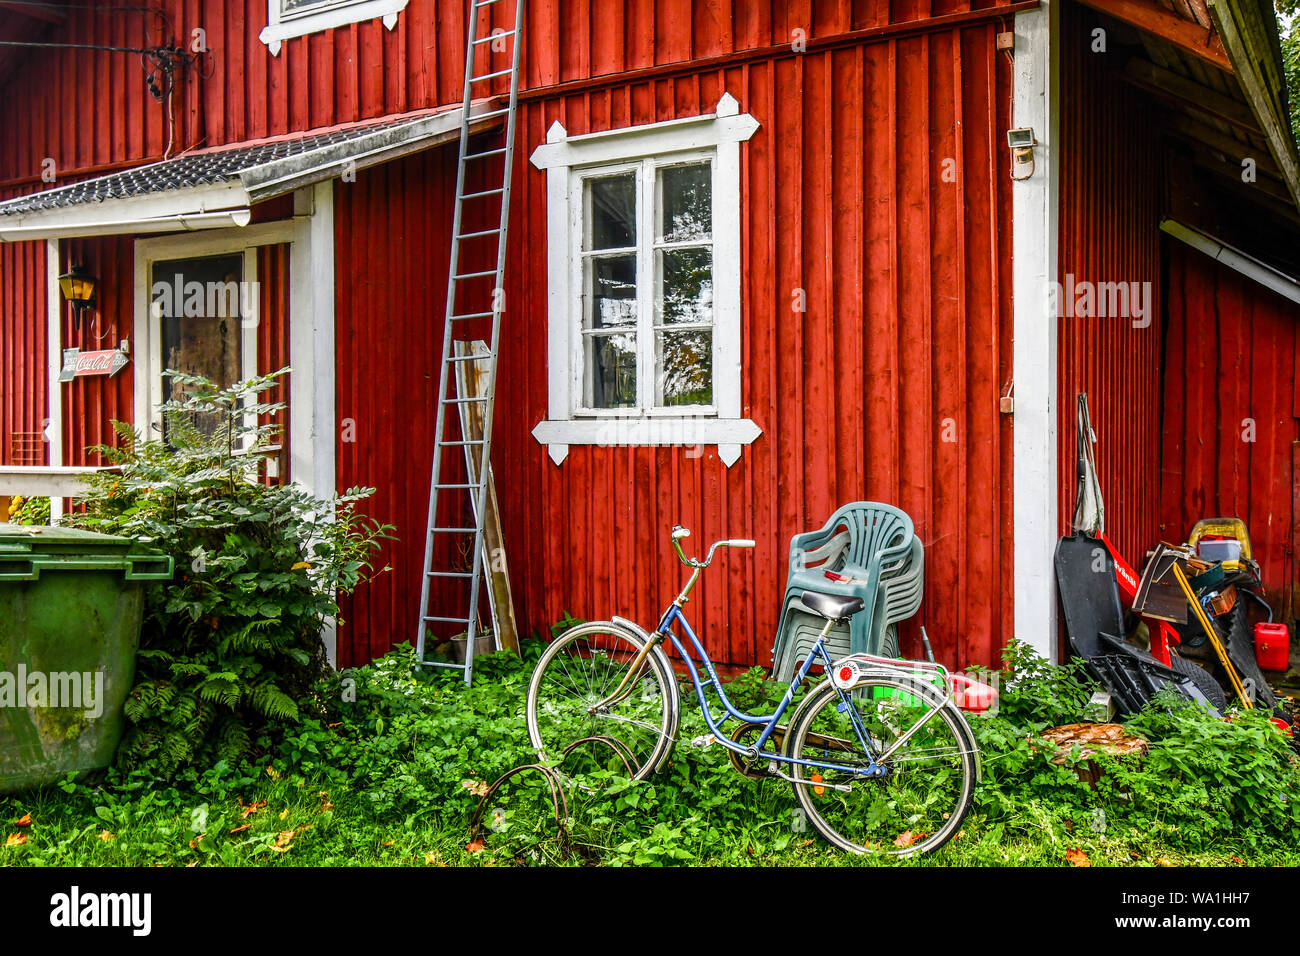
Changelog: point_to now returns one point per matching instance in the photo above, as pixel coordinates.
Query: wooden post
(471, 381)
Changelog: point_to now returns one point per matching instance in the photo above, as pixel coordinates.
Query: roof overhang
(229, 201)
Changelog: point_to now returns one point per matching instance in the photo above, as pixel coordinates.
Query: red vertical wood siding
(1231, 353)
(91, 404)
(1109, 232)
(905, 343)
(904, 259)
(24, 398)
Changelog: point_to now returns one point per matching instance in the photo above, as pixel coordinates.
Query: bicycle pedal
(705, 740)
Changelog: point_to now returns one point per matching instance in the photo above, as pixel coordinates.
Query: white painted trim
(281, 27)
(176, 210)
(567, 160)
(311, 346)
(56, 482)
(727, 433)
(54, 364)
(1035, 330)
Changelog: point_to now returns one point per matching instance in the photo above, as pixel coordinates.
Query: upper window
(644, 285)
(295, 18)
(646, 254)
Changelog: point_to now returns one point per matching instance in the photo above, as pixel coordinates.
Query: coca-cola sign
(77, 364)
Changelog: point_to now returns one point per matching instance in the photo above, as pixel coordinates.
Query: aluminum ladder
(470, 300)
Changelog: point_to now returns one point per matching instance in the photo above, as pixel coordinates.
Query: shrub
(231, 645)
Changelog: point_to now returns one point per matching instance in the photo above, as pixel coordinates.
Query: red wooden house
(902, 307)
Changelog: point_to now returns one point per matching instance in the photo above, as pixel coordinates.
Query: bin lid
(27, 551)
(36, 539)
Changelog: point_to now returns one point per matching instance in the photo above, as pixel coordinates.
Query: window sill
(729, 434)
(277, 31)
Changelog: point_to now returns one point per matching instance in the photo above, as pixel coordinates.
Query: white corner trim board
(718, 136)
(283, 25)
(1034, 348)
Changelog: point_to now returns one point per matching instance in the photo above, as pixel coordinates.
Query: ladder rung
(467, 358)
(465, 401)
(459, 667)
(454, 530)
(462, 444)
(456, 486)
(451, 574)
(475, 275)
(475, 235)
(489, 39)
(470, 315)
(486, 152)
(480, 4)
(491, 76)
(446, 620)
(490, 113)
(485, 192)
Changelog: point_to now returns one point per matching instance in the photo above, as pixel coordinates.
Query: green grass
(392, 785)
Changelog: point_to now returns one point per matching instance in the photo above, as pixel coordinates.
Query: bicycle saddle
(832, 606)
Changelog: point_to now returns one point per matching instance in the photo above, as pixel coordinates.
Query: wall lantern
(78, 287)
(1022, 142)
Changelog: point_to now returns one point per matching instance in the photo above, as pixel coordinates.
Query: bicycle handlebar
(679, 533)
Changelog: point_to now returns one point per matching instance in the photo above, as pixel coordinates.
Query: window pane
(685, 202)
(611, 291)
(685, 286)
(611, 211)
(611, 364)
(685, 367)
(198, 305)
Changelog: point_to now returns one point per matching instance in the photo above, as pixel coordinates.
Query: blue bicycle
(880, 757)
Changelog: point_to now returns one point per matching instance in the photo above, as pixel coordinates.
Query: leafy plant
(29, 511)
(230, 646)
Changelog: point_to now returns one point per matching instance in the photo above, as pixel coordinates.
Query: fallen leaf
(24, 821)
(905, 839)
(1237, 860)
(388, 843)
(284, 838)
(1161, 861)
(16, 839)
(285, 813)
(1076, 857)
(191, 863)
(194, 844)
(107, 835)
(327, 806)
(476, 787)
(240, 829)
(432, 859)
(273, 773)
(300, 566)
(251, 809)
(474, 846)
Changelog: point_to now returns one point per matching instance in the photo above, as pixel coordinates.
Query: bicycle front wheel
(925, 786)
(577, 720)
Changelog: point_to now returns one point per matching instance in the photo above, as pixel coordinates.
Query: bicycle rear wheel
(583, 667)
(921, 798)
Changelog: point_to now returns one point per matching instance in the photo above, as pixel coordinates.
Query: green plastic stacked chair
(875, 546)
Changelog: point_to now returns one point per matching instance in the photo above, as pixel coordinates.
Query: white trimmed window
(644, 285)
(295, 18)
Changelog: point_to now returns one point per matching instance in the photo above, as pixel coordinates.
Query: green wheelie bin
(71, 606)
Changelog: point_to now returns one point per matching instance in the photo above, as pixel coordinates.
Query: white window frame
(568, 161)
(281, 26)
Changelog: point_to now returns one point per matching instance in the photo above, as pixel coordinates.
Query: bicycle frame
(674, 615)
